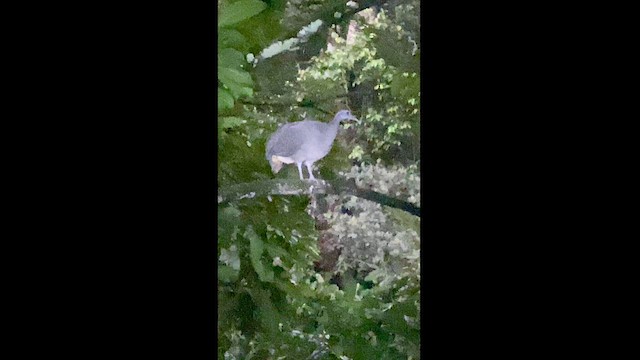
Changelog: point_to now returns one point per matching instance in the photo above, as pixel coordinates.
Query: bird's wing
(287, 140)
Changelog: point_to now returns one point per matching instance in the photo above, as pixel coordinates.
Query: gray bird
(303, 142)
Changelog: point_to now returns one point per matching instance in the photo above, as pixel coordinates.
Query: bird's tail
(277, 161)
(276, 164)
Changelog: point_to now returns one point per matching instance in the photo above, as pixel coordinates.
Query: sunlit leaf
(231, 38)
(225, 99)
(237, 81)
(239, 11)
(231, 58)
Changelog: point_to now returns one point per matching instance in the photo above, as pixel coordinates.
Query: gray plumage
(303, 142)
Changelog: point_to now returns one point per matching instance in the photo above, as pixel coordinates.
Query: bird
(304, 142)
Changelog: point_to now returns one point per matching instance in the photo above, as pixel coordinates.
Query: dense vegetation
(344, 284)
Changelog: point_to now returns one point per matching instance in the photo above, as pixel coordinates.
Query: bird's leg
(311, 177)
(300, 170)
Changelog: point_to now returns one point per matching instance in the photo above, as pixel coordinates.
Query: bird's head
(343, 115)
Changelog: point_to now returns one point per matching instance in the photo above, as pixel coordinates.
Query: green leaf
(231, 58)
(230, 212)
(227, 274)
(239, 11)
(256, 248)
(276, 251)
(404, 219)
(225, 99)
(231, 38)
(267, 313)
(228, 219)
(237, 81)
(231, 122)
(262, 30)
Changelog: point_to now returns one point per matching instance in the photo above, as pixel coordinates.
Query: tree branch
(279, 187)
(295, 187)
(350, 187)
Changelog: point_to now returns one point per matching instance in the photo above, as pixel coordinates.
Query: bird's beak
(355, 119)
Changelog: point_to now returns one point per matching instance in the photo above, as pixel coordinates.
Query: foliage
(398, 181)
(391, 114)
(233, 81)
(370, 240)
(273, 303)
(243, 26)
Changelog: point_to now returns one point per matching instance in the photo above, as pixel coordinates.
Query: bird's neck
(333, 128)
(335, 122)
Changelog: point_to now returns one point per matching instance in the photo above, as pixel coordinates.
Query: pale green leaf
(230, 38)
(231, 58)
(277, 251)
(238, 82)
(239, 11)
(225, 99)
(227, 274)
